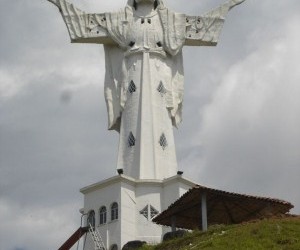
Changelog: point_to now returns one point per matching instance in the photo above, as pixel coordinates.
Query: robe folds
(116, 79)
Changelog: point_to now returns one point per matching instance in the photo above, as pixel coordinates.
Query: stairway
(74, 238)
(99, 245)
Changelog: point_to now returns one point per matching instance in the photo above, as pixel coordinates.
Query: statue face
(145, 1)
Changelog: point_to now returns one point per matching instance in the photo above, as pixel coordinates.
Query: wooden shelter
(202, 206)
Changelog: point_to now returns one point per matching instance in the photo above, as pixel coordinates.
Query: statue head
(134, 3)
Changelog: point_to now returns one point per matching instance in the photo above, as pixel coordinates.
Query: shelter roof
(222, 208)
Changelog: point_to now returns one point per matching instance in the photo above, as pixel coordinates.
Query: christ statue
(144, 74)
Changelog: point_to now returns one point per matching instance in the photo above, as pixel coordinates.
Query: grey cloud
(250, 132)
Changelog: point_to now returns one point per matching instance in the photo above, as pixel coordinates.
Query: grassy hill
(275, 234)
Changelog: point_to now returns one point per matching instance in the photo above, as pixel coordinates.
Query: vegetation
(275, 234)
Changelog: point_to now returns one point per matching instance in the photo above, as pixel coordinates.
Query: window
(163, 141)
(91, 221)
(161, 89)
(131, 44)
(144, 212)
(131, 140)
(102, 213)
(131, 87)
(149, 212)
(114, 211)
(153, 212)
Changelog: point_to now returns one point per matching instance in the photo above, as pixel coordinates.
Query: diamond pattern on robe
(163, 141)
(131, 87)
(161, 89)
(131, 140)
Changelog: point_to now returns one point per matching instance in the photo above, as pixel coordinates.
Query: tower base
(122, 208)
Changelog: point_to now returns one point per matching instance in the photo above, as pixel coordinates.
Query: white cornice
(134, 182)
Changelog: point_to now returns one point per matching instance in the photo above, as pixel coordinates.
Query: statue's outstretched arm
(205, 30)
(56, 2)
(83, 27)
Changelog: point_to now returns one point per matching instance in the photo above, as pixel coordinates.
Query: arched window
(102, 213)
(91, 218)
(114, 211)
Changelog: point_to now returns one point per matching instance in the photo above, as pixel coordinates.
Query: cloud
(241, 113)
(48, 151)
(250, 131)
(7, 87)
(36, 227)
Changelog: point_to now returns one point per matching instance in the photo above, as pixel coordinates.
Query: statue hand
(235, 2)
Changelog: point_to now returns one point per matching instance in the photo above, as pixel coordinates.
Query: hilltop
(275, 234)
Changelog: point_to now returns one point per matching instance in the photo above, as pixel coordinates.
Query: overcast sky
(241, 128)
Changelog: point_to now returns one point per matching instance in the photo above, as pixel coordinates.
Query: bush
(133, 245)
(173, 235)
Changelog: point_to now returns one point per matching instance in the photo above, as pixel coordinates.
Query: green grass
(274, 234)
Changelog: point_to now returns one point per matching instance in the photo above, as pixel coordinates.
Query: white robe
(172, 39)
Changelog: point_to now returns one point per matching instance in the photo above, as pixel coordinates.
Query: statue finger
(236, 2)
(56, 2)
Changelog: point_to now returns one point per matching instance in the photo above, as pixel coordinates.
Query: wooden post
(204, 211)
(173, 223)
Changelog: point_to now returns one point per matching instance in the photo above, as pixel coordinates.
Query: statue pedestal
(122, 208)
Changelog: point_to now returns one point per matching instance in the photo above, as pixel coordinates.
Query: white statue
(144, 74)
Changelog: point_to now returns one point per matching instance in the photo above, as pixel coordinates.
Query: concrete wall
(128, 215)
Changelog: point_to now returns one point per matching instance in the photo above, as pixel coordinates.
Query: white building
(122, 208)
